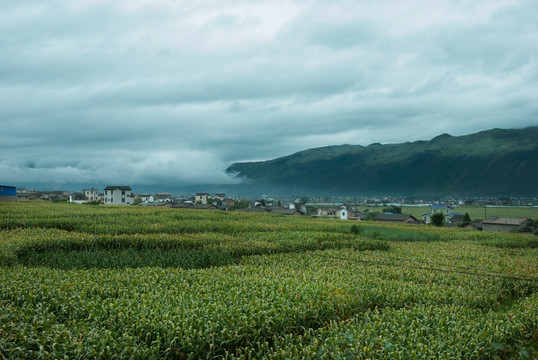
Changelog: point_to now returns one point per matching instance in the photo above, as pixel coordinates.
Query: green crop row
(255, 306)
(136, 220)
(64, 249)
(257, 286)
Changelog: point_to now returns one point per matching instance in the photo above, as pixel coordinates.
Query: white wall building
(91, 194)
(201, 198)
(118, 195)
(333, 212)
(146, 198)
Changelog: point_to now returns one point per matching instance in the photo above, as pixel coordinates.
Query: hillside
(491, 162)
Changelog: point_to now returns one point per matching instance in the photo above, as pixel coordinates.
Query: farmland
(475, 212)
(80, 281)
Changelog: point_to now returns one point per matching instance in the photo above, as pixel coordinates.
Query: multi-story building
(201, 198)
(118, 195)
(91, 194)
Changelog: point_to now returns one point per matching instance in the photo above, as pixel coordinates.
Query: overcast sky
(173, 92)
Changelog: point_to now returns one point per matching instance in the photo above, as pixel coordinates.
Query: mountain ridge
(490, 162)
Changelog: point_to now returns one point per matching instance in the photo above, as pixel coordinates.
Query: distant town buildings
(340, 208)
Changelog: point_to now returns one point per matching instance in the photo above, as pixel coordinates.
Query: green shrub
(355, 229)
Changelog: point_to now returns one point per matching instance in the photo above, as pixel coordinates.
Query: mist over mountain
(492, 162)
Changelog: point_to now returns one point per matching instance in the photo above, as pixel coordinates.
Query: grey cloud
(175, 93)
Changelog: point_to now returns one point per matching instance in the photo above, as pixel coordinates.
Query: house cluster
(123, 195)
(454, 219)
(27, 195)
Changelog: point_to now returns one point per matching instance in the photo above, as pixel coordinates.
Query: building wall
(332, 213)
(8, 193)
(118, 197)
(147, 198)
(203, 198)
(92, 195)
(501, 228)
(326, 213)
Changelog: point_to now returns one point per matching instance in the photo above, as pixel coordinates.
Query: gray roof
(120, 187)
(458, 218)
(287, 211)
(475, 224)
(203, 206)
(394, 217)
(182, 206)
(506, 221)
(256, 209)
(332, 208)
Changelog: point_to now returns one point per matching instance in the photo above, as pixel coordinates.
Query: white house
(91, 194)
(163, 197)
(201, 198)
(220, 197)
(118, 195)
(146, 198)
(446, 210)
(298, 206)
(333, 212)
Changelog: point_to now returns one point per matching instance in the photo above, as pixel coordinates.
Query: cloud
(171, 92)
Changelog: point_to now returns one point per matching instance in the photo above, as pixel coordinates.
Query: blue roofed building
(445, 209)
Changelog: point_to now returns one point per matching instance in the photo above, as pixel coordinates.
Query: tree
(263, 203)
(241, 204)
(371, 215)
(438, 219)
(393, 209)
(137, 200)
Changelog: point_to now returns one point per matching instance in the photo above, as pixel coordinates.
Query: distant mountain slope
(491, 162)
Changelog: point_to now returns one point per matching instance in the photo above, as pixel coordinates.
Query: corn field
(84, 282)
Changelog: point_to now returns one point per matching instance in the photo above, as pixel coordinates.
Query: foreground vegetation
(126, 282)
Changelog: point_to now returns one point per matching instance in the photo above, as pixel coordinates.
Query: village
(442, 212)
